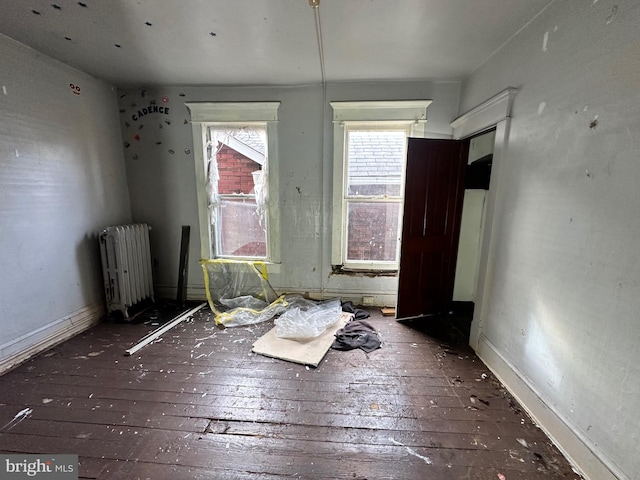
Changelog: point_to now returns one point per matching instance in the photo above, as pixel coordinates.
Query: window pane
(240, 154)
(240, 229)
(375, 162)
(372, 231)
(237, 186)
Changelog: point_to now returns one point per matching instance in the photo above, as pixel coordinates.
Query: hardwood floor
(199, 405)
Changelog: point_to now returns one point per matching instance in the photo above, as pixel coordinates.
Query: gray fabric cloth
(358, 313)
(357, 334)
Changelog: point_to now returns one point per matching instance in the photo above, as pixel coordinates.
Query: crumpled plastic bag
(307, 322)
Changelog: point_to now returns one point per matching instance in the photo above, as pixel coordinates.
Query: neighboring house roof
(247, 142)
(376, 157)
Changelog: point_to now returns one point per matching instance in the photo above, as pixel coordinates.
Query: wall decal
(149, 110)
(75, 89)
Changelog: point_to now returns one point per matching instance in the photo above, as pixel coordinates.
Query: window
(370, 141)
(236, 184)
(236, 187)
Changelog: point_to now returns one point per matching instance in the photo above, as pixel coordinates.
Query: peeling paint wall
(563, 299)
(160, 170)
(62, 179)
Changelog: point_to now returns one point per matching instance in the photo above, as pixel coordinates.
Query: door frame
(493, 113)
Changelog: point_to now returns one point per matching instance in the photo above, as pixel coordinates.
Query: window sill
(364, 272)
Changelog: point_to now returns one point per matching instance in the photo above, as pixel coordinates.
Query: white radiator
(126, 266)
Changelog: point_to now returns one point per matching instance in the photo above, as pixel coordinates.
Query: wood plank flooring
(199, 405)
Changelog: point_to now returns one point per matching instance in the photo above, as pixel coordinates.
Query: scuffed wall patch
(541, 107)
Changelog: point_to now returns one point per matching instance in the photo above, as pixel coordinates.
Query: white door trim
(494, 113)
(484, 116)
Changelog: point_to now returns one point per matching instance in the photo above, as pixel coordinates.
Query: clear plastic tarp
(300, 323)
(239, 293)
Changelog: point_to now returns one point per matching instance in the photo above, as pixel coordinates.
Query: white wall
(62, 179)
(162, 184)
(563, 296)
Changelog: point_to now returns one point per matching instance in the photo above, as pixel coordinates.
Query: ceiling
(266, 42)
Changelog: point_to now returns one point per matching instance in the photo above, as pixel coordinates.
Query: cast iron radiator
(126, 266)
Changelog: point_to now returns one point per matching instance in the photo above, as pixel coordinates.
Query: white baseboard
(581, 453)
(24, 347)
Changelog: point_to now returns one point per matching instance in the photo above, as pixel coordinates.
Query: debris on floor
(307, 323)
(309, 352)
(159, 331)
(20, 416)
(357, 334)
(358, 313)
(411, 451)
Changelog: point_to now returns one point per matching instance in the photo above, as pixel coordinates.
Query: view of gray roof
(376, 156)
(251, 138)
(249, 142)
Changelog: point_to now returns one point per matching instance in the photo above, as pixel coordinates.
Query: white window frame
(409, 114)
(224, 114)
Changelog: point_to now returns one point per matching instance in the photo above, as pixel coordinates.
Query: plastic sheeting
(304, 323)
(239, 293)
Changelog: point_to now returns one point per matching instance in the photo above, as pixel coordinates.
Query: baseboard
(380, 299)
(18, 350)
(579, 451)
(194, 292)
(374, 299)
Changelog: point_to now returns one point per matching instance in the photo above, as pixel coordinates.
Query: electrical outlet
(367, 300)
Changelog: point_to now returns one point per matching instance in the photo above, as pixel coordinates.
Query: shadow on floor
(452, 327)
(149, 313)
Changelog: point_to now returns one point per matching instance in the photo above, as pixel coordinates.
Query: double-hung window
(235, 154)
(370, 140)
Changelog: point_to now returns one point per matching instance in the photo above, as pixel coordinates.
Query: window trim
(374, 113)
(206, 114)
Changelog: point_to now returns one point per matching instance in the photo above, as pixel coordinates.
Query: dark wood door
(433, 197)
